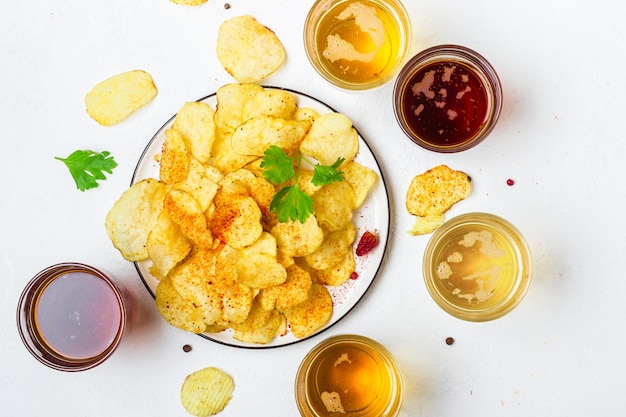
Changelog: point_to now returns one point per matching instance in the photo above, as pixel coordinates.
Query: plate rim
(382, 245)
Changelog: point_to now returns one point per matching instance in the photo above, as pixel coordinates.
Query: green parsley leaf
(323, 174)
(291, 203)
(87, 167)
(278, 167)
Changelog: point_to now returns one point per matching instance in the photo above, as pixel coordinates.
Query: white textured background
(560, 137)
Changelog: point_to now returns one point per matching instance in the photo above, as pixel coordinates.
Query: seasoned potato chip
(248, 50)
(260, 189)
(305, 113)
(167, 246)
(298, 239)
(114, 99)
(331, 136)
(436, 190)
(187, 214)
(313, 313)
(206, 392)
(174, 165)
(254, 136)
(272, 327)
(270, 102)
(333, 205)
(133, 216)
(256, 318)
(336, 274)
(292, 292)
(198, 184)
(176, 310)
(236, 220)
(333, 249)
(361, 178)
(195, 124)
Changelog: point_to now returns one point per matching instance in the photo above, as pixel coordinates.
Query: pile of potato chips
(222, 259)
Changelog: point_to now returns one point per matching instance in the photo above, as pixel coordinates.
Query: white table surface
(560, 137)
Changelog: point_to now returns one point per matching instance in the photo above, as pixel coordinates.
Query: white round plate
(373, 215)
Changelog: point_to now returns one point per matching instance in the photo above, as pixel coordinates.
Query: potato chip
(133, 216)
(426, 224)
(236, 220)
(270, 102)
(247, 50)
(336, 274)
(272, 327)
(261, 190)
(167, 246)
(292, 292)
(312, 314)
(195, 124)
(361, 178)
(189, 2)
(305, 113)
(436, 190)
(225, 159)
(333, 249)
(174, 165)
(231, 99)
(176, 310)
(331, 136)
(254, 136)
(114, 99)
(260, 270)
(187, 214)
(198, 184)
(206, 392)
(298, 239)
(333, 205)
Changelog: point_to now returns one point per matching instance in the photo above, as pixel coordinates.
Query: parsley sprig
(290, 202)
(87, 167)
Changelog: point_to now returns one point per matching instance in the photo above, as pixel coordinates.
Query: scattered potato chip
(114, 99)
(313, 313)
(247, 50)
(133, 216)
(331, 136)
(426, 224)
(189, 2)
(206, 392)
(436, 190)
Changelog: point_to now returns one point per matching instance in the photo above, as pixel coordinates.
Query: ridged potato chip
(133, 216)
(206, 392)
(247, 50)
(331, 136)
(313, 313)
(114, 99)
